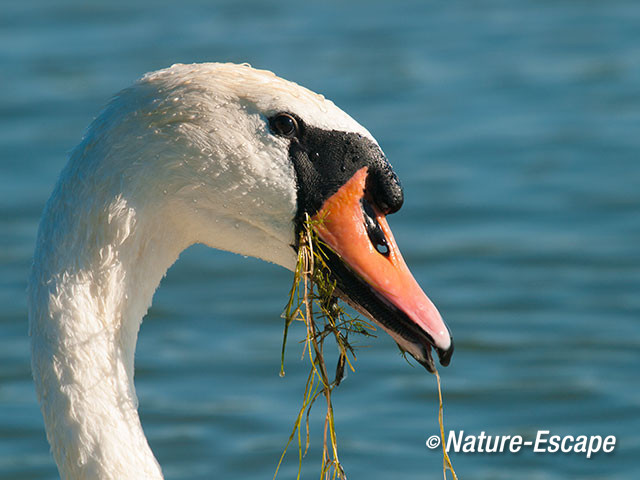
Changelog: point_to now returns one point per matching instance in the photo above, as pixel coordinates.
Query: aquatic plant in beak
(313, 286)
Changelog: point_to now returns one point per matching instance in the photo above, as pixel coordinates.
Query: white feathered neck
(183, 156)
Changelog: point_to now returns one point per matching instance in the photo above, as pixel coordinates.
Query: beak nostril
(376, 235)
(383, 249)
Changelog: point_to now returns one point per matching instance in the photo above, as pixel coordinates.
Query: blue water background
(515, 129)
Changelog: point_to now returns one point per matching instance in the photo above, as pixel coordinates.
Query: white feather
(183, 156)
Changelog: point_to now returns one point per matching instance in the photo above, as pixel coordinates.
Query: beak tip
(445, 355)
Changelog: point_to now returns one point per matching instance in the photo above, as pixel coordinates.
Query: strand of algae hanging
(446, 461)
(311, 285)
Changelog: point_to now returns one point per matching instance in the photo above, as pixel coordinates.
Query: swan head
(237, 158)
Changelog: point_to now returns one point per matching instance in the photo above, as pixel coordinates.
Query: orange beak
(356, 231)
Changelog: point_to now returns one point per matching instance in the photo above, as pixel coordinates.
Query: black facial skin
(324, 160)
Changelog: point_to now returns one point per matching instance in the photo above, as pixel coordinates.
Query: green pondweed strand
(313, 301)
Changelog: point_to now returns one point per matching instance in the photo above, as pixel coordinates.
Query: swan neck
(93, 279)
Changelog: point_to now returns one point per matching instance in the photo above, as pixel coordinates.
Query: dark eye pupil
(285, 125)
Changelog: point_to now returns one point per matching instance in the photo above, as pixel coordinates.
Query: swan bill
(347, 186)
(373, 277)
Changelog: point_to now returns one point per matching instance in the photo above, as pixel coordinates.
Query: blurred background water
(514, 126)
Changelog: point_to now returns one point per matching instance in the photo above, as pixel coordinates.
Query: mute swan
(220, 154)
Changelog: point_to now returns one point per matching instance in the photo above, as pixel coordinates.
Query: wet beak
(357, 232)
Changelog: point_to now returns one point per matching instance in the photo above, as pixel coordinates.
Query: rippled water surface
(514, 126)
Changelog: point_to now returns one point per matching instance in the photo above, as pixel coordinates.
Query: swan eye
(284, 125)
